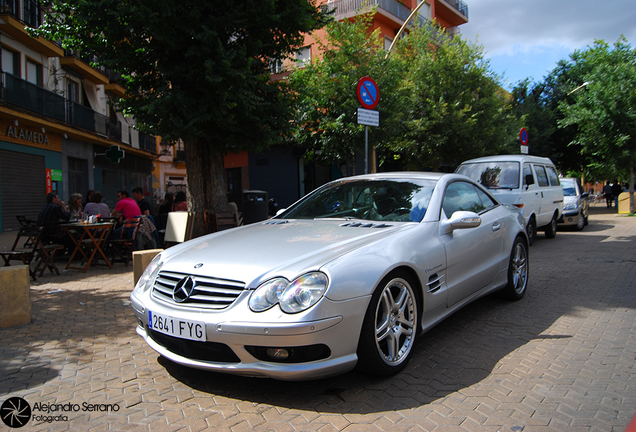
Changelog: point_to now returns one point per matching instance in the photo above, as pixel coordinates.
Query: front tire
(580, 223)
(390, 326)
(517, 271)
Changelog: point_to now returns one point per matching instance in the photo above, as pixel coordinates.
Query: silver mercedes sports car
(351, 275)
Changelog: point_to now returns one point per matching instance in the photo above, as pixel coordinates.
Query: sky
(526, 39)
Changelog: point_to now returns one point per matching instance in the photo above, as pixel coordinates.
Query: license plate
(177, 327)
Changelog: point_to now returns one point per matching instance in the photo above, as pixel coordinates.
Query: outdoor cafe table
(91, 233)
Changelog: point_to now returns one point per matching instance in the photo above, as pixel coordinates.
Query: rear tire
(390, 326)
(517, 271)
(551, 228)
(531, 230)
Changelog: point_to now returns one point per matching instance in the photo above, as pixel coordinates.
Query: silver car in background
(351, 275)
(576, 204)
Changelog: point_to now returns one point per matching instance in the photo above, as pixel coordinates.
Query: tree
(455, 109)
(195, 70)
(605, 111)
(325, 93)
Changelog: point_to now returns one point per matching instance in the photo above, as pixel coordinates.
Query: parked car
(576, 204)
(530, 183)
(351, 275)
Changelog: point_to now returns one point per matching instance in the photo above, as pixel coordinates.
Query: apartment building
(58, 131)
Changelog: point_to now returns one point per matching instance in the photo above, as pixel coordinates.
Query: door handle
(496, 226)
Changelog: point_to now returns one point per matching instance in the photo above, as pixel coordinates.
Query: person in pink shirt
(126, 208)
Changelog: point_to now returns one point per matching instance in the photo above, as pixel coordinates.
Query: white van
(530, 183)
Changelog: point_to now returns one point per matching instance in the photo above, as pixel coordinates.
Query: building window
(72, 89)
(387, 43)
(11, 62)
(34, 72)
(275, 66)
(303, 56)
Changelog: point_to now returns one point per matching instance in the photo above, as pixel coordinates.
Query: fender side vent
(435, 282)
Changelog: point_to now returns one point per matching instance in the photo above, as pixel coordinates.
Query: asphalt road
(561, 359)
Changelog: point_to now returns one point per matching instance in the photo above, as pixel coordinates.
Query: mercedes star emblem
(183, 289)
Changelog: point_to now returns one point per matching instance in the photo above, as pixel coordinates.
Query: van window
(553, 176)
(527, 170)
(493, 175)
(542, 177)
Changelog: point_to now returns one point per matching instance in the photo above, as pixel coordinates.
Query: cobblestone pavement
(561, 359)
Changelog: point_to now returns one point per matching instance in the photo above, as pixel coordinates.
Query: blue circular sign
(368, 93)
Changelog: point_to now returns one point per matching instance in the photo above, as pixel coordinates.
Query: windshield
(493, 175)
(568, 187)
(394, 200)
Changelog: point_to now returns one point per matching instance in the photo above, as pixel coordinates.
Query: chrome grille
(209, 292)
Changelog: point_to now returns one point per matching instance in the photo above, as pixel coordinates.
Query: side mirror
(585, 195)
(461, 220)
(529, 180)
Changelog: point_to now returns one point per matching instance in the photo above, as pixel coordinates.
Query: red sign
(368, 93)
(523, 136)
(49, 181)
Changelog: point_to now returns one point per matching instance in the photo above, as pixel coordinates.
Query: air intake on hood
(365, 225)
(275, 222)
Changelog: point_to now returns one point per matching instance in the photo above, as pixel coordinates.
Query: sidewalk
(561, 359)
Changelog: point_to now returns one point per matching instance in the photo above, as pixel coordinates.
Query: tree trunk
(207, 189)
(631, 188)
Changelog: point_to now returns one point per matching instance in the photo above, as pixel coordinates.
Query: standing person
(616, 191)
(142, 202)
(75, 206)
(180, 203)
(96, 206)
(126, 208)
(607, 190)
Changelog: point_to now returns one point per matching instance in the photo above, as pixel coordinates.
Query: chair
(122, 242)
(37, 251)
(23, 221)
(223, 221)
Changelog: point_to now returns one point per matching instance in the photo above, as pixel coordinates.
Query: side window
(542, 177)
(485, 199)
(527, 171)
(553, 176)
(462, 196)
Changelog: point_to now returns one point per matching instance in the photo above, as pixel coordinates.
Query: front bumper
(570, 217)
(324, 346)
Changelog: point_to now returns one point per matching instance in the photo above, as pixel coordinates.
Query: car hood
(287, 248)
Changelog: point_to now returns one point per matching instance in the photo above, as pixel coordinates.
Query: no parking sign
(368, 93)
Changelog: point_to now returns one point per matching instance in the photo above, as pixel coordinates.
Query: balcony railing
(397, 9)
(88, 59)
(29, 12)
(344, 7)
(34, 98)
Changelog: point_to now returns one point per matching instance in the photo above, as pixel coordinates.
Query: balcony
(16, 15)
(348, 8)
(34, 98)
(79, 63)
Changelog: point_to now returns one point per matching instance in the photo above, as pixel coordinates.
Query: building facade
(58, 131)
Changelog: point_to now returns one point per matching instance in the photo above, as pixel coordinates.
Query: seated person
(126, 208)
(55, 211)
(96, 206)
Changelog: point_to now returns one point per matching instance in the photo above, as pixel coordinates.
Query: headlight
(570, 206)
(149, 274)
(294, 297)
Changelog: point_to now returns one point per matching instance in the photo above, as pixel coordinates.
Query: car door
(473, 255)
(546, 206)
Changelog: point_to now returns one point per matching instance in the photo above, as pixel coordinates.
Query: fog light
(570, 219)
(277, 353)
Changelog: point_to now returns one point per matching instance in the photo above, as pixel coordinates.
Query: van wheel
(551, 228)
(531, 229)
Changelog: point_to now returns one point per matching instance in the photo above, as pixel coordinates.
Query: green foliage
(326, 104)
(439, 103)
(604, 111)
(193, 69)
(455, 109)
